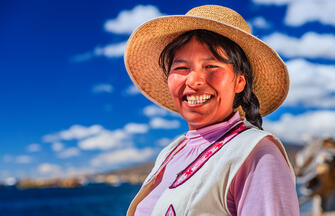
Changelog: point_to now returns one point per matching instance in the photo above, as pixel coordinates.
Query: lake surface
(89, 200)
(93, 199)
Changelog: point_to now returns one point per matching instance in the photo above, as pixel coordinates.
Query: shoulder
(267, 159)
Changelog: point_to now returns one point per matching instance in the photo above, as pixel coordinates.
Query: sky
(68, 107)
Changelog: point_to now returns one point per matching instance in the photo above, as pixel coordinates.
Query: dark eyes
(185, 68)
(211, 66)
(180, 68)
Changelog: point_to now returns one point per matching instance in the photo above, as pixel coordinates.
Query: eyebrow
(184, 61)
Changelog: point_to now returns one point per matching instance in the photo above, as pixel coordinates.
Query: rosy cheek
(175, 83)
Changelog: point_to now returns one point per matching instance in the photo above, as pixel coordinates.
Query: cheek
(175, 83)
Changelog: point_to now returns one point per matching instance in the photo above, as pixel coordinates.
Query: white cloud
(160, 123)
(293, 128)
(74, 132)
(70, 152)
(75, 171)
(34, 147)
(312, 85)
(124, 23)
(154, 110)
(57, 146)
(132, 90)
(102, 88)
(128, 20)
(300, 12)
(23, 159)
(96, 137)
(49, 169)
(133, 128)
(163, 141)
(104, 140)
(82, 57)
(129, 155)
(310, 45)
(20, 159)
(260, 22)
(111, 50)
(276, 2)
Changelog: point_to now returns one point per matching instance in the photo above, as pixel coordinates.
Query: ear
(240, 83)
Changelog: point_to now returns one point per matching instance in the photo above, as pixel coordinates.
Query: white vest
(205, 193)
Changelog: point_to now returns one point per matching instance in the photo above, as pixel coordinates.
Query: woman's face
(202, 87)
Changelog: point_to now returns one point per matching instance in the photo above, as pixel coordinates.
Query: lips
(197, 99)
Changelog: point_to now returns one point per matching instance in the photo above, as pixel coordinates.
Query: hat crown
(220, 14)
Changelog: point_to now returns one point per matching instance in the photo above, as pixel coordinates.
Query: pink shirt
(262, 186)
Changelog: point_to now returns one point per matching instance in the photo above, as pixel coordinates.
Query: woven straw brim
(271, 81)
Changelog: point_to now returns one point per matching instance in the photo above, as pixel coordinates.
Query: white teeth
(198, 99)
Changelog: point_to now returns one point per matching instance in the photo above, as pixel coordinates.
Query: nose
(195, 79)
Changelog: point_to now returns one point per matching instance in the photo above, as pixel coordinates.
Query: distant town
(131, 175)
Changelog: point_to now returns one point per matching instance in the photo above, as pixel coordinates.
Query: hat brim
(270, 76)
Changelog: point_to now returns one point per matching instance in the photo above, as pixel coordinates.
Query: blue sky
(69, 107)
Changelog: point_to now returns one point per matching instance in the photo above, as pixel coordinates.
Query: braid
(250, 105)
(247, 99)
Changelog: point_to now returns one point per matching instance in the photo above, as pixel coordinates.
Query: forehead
(195, 47)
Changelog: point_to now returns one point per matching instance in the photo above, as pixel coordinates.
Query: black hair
(236, 56)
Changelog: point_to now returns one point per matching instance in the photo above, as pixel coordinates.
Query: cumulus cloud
(260, 22)
(160, 123)
(300, 12)
(23, 159)
(111, 50)
(163, 141)
(95, 137)
(128, 20)
(292, 128)
(74, 132)
(75, 171)
(34, 147)
(57, 146)
(154, 110)
(268, 2)
(132, 90)
(135, 128)
(69, 152)
(102, 88)
(310, 45)
(49, 169)
(311, 84)
(104, 140)
(82, 57)
(20, 159)
(129, 155)
(108, 139)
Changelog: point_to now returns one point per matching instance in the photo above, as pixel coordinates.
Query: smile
(197, 99)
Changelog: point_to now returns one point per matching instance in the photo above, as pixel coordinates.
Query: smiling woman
(203, 84)
(221, 80)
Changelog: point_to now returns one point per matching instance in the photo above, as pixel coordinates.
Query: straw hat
(271, 81)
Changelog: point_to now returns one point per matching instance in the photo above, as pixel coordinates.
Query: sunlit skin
(196, 72)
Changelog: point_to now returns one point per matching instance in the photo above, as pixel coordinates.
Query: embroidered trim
(170, 211)
(191, 169)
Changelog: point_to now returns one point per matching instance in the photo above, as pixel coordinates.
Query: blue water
(95, 199)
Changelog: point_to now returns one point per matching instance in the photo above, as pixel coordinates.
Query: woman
(207, 66)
